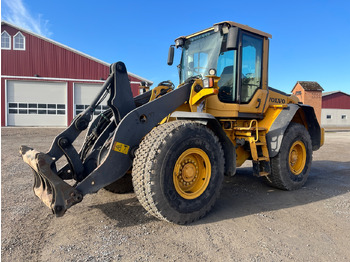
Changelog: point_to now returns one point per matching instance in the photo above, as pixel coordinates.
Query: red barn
(45, 83)
(335, 110)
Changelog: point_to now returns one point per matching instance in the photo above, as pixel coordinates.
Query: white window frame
(5, 48)
(14, 41)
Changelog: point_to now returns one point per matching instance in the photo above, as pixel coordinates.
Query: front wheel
(290, 168)
(178, 171)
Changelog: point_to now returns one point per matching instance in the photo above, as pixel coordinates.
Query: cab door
(251, 92)
(243, 79)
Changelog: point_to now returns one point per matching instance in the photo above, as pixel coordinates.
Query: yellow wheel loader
(173, 146)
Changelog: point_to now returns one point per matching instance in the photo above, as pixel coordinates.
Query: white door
(84, 94)
(36, 103)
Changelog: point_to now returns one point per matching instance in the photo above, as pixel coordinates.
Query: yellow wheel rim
(297, 157)
(192, 173)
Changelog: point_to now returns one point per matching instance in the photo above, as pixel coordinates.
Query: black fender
(212, 123)
(276, 132)
(312, 126)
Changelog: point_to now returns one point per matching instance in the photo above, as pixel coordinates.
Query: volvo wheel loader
(173, 146)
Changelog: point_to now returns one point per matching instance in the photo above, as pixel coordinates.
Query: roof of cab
(244, 27)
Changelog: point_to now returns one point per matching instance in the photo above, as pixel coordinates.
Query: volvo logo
(277, 100)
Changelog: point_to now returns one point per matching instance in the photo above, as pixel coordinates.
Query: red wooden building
(45, 83)
(335, 110)
(336, 99)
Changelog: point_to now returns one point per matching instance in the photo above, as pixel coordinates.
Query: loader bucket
(48, 186)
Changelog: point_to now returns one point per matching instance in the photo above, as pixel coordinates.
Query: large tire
(178, 171)
(290, 168)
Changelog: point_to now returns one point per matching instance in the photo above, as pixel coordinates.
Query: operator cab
(238, 53)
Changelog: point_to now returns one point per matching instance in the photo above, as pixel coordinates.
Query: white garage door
(84, 94)
(34, 103)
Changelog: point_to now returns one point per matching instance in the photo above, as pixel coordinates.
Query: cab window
(226, 69)
(251, 66)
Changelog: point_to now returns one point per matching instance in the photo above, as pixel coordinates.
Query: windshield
(199, 54)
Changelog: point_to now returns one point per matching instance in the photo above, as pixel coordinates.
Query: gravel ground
(250, 222)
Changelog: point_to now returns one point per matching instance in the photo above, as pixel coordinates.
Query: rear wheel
(290, 168)
(178, 171)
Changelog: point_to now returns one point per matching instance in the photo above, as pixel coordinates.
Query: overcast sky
(310, 39)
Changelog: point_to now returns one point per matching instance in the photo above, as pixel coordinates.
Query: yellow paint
(205, 92)
(192, 173)
(156, 91)
(270, 117)
(254, 106)
(297, 157)
(241, 156)
(200, 32)
(276, 98)
(121, 148)
(322, 137)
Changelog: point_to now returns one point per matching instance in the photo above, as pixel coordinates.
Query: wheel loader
(173, 146)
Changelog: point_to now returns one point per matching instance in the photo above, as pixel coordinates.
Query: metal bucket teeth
(48, 186)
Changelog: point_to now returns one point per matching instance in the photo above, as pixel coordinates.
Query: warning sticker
(120, 147)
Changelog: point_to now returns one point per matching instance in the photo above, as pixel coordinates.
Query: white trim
(67, 103)
(6, 101)
(61, 79)
(73, 111)
(4, 48)
(24, 42)
(71, 49)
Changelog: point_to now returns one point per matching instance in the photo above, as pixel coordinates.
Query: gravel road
(250, 222)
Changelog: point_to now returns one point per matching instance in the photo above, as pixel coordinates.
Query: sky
(310, 38)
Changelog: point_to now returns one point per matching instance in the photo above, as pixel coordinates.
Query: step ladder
(256, 136)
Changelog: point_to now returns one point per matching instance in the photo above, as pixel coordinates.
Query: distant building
(310, 93)
(335, 109)
(45, 83)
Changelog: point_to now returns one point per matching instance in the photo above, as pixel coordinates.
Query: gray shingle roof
(311, 86)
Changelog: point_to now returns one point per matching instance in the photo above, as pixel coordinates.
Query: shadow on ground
(244, 194)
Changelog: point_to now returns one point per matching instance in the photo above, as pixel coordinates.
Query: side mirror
(232, 38)
(171, 55)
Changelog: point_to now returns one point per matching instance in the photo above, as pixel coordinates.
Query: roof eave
(70, 49)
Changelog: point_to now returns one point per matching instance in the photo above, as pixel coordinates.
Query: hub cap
(297, 157)
(192, 173)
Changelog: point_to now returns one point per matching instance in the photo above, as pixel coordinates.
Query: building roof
(333, 92)
(69, 49)
(310, 86)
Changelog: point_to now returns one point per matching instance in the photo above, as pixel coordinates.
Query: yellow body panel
(322, 136)
(245, 123)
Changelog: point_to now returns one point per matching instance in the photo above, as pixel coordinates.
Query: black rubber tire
(281, 175)
(153, 171)
(122, 185)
